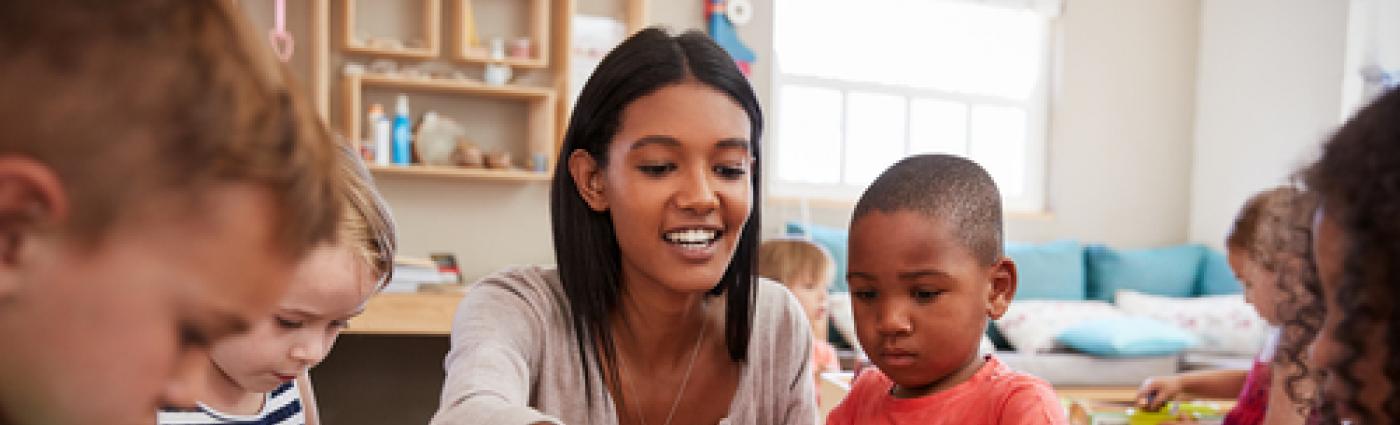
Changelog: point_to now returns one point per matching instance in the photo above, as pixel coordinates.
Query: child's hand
(1156, 391)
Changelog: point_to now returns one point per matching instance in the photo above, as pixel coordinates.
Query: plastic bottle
(381, 133)
(403, 150)
(371, 137)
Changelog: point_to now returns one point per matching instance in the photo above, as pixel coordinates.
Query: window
(860, 85)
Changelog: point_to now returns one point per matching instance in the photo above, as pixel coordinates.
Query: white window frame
(1033, 199)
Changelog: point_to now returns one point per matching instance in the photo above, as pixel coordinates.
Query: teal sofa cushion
(1049, 271)
(1127, 336)
(1216, 276)
(1168, 271)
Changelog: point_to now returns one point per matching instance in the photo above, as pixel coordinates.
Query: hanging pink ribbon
(282, 43)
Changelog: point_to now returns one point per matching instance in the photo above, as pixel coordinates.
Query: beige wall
(1123, 120)
(1119, 149)
(1269, 91)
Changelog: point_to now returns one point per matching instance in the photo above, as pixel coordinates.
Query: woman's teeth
(692, 237)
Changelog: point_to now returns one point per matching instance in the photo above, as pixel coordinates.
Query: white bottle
(379, 135)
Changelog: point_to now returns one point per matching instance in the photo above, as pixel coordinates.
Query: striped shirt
(282, 406)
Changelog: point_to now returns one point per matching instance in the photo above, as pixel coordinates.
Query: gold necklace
(704, 325)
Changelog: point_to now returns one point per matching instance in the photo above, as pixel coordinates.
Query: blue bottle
(403, 134)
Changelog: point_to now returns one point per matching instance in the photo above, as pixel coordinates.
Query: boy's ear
(588, 178)
(1003, 280)
(31, 198)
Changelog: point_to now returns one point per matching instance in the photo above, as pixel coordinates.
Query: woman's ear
(31, 198)
(1003, 281)
(588, 178)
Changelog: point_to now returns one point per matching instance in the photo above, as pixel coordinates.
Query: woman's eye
(731, 171)
(289, 324)
(656, 169)
(925, 296)
(865, 294)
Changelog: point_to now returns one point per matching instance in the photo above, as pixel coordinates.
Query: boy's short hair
(942, 187)
(788, 259)
(133, 100)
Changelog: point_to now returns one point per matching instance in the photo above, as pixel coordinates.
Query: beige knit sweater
(514, 359)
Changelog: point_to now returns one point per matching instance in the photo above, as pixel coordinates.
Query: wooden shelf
(407, 314)
(456, 86)
(530, 63)
(541, 103)
(539, 36)
(404, 53)
(432, 16)
(459, 172)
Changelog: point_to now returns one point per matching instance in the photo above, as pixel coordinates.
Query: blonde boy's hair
(366, 223)
(786, 260)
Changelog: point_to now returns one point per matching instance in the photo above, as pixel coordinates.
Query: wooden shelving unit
(432, 15)
(549, 27)
(459, 173)
(541, 102)
(472, 50)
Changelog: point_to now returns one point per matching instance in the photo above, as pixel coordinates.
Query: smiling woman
(654, 308)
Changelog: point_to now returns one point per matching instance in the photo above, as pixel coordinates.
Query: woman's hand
(1156, 391)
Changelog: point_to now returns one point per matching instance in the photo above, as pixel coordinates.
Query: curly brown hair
(1280, 240)
(1358, 180)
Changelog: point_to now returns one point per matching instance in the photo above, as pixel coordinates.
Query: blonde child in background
(926, 272)
(260, 377)
(806, 269)
(1270, 251)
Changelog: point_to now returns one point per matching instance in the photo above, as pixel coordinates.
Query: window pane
(809, 134)
(874, 134)
(958, 47)
(937, 126)
(999, 145)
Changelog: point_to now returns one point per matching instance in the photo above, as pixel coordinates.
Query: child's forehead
(886, 231)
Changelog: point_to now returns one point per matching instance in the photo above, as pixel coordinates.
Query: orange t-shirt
(994, 395)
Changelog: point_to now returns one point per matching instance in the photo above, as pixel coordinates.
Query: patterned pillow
(1033, 325)
(1225, 324)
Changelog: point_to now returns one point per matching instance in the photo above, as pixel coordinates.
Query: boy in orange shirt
(926, 272)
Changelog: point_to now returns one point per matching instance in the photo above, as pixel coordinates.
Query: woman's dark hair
(1358, 180)
(585, 243)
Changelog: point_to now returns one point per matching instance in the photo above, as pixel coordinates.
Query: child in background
(1357, 248)
(806, 269)
(1270, 251)
(926, 272)
(159, 181)
(260, 377)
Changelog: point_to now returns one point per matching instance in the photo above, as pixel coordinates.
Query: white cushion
(1224, 323)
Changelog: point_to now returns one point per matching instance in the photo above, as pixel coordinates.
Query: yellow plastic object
(1203, 412)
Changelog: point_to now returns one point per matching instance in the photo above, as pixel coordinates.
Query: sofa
(1094, 315)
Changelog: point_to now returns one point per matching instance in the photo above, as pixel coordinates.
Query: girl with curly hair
(1269, 248)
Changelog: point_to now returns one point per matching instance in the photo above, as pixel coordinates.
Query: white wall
(1268, 91)
(1119, 148)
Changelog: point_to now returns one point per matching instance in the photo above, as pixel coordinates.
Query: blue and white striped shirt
(282, 406)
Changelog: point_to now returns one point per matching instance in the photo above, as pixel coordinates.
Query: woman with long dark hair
(654, 314)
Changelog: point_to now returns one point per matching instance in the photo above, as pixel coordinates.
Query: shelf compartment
(431, 24)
